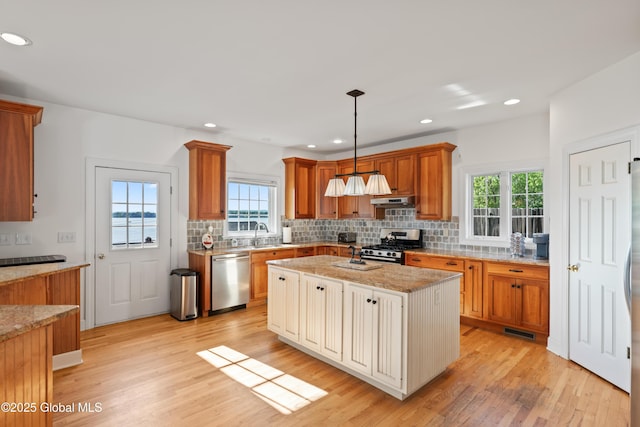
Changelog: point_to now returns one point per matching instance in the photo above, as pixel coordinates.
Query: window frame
(504, 170)
(274, 191)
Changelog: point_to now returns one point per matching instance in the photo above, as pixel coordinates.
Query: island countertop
(23, 272)
(19, 319)
(394, 277)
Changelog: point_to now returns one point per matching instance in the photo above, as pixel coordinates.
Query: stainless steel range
(393, 243)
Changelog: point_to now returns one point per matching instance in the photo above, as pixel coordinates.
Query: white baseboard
(66, 360)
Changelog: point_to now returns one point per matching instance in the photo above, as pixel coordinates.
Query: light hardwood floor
(147, 372)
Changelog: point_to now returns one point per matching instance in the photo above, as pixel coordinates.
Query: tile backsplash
(442, 235)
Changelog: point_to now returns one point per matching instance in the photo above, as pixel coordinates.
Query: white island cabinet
(395, 327)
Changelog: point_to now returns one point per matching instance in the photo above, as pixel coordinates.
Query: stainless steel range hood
(394, 202)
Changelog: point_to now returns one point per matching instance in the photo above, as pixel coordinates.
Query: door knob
(573, 267)
(100, 256)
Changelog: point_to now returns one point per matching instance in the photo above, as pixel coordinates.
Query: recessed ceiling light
(209, 125)
(512, 101)
(426, 121)
(15, 39)
(311, 146)
(338, 141)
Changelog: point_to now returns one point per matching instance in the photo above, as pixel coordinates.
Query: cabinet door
(358, 328)
(259, 279)
(332, 313)
(387, 338)
(473, 289)
(207, 180)
(284, 302)
(533, 304)
(16, 154)
(433, 198)
(300, 188)
(501, 299)
(405, 175)
(311, 313)
(326, 207)
(356, 206)
(276, 313)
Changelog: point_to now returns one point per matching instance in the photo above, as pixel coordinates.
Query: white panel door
(132, 244)
(599, 323)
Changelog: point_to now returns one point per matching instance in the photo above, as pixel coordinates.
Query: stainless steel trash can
(183, 294)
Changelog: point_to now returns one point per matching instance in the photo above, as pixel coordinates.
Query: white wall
(605, 102)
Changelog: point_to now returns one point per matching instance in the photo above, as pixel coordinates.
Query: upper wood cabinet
(16, 160)
(400, 171)
(433, 195)
(326, 207)
(299, 188)
(355, 206)
(207, 180)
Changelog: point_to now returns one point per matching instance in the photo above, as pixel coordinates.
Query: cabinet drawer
(305, 251)
(438, 263)
(262, 256)
(540, 272)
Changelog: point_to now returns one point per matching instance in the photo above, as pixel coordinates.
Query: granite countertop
(19, 319)
(389, 276)
(21, 272)
(482, 256)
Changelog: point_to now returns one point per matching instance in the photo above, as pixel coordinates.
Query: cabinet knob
(452, 263)
(471, 267)
(374, 302)
(515, 270)
(513, 285)
(281, 278)
(368, 299)
(318, 288)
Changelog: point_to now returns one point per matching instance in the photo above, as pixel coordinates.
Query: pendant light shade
(377, 184)
(355, 186)
(335, 188)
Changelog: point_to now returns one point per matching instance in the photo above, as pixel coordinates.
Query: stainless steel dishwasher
(230, 280)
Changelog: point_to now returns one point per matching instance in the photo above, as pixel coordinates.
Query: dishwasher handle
(228, 258)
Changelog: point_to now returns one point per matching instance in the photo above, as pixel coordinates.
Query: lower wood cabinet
(471, 298)
(321, 315)
(373, 333)
(518, 296)
(259, 269)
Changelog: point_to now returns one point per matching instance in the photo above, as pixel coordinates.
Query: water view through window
(134, 211)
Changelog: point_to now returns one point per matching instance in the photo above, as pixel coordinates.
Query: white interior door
(599, 324)
(133, 247)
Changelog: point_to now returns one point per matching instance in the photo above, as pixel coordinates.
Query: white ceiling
(277, 71)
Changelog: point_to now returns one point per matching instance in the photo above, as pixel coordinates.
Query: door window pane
(134, 214)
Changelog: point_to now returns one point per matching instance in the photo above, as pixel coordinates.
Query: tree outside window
(486, 205)
(527, 207)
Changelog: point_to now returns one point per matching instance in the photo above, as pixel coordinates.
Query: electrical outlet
(23, 238)
(66, 236)
(5, 239)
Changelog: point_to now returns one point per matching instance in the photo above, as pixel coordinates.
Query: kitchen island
(393, 326)
(26, 363)
(49, 284)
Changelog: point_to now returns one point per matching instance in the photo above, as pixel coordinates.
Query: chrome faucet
(255, 236)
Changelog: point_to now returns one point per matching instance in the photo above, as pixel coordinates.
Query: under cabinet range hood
(394, 202)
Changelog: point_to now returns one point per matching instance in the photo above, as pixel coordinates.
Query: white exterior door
(599, 324)
(132, 244)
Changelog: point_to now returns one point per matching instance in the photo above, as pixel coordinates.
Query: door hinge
(171, 242)
(171, 187)
(628, 352)
(629, 168)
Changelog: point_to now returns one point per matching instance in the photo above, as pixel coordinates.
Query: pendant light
(377, 184)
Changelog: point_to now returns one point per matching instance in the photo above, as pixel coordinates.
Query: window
(134, 211)
(250, 202)
(499, 203)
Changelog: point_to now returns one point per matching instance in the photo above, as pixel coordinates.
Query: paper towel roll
(286, 234)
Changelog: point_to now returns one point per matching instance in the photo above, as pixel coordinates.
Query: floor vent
(520, 334)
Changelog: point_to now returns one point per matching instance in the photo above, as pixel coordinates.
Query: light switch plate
(23, 238)
(66, 236)
(5, 239)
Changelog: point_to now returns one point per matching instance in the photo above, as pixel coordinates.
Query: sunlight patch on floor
(282, 391)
